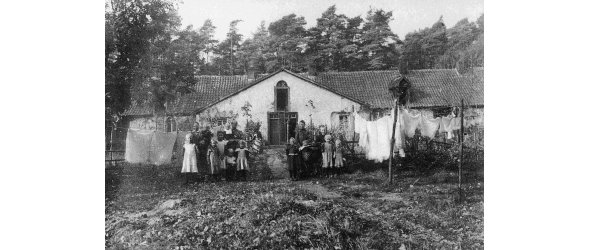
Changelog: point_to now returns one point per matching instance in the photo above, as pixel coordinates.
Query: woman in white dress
(189, 163)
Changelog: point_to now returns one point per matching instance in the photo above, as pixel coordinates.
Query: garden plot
(151, 209)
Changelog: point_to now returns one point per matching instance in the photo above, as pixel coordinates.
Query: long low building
(278, 100)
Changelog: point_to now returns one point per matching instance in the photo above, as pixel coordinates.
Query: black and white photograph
(294, 124)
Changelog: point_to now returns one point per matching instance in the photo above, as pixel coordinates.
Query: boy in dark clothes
(293, 159)
(231, 156)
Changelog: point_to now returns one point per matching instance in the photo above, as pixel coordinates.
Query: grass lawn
(150, 208)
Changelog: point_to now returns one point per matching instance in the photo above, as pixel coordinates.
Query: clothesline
(374, 136)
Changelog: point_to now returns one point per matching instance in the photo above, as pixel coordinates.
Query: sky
(409, 15)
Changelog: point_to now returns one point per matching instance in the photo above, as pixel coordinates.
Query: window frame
(170, 124)
(346, 117)
(282, 85)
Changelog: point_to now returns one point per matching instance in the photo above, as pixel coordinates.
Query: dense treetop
(150, 58)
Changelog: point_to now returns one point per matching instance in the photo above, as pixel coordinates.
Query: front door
(281, 127)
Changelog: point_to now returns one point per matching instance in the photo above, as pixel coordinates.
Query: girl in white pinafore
(327, 155)
(189, 163)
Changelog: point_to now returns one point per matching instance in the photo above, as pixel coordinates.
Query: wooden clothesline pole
(392, 144)
(461, 155)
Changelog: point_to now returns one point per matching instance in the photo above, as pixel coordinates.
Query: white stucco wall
(261, 98)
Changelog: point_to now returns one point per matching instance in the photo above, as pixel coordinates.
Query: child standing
(213, 157)
(189, 163)
(230, 163)
(242, 164)
(292, 159)
(327, 155)
(221, 152)
(338, 161)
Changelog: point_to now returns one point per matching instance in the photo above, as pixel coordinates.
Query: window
(220, 121)
(343, 121)
(170, 124)
(282, 96)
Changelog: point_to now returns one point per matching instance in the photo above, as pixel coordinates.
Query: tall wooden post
(111, 141)
(461, 155)
(392, 144)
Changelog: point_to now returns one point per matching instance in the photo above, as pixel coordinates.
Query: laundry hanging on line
(429, 126)
(162, 145)
(375, 136)
(378, 137)
(360, 127)
(399, 138)
(147, 146)
(446, 126)
(410, 122)
(137, 145)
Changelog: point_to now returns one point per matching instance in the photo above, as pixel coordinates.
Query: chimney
(251, 70)
(251, 75)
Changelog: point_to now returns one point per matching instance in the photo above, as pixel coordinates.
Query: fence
(115, 138)
(112, 157)
(423, 153)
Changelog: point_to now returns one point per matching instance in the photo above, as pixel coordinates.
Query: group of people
(331, 150)
(225, 155)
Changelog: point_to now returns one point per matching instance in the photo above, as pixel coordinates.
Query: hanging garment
(372, 140)
(385, 131)
(375, 137)
(399, 138)
(410, 123)
(189, 164)
(242, 159)
(446, 126)
(360, 127)
(456, 123)
(379, 139)
(429, 126)
(137, 145)
(162, 145)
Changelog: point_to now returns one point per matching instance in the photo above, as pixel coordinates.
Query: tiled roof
(442, 87)
(369, 86)
(429, 87)
(302, 76)
(476, 81)
(208, 89)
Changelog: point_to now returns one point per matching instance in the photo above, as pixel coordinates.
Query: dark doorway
(281, 127)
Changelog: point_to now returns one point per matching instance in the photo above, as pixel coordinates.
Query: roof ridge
(453, 69)
(360, 71)
(221, 76)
